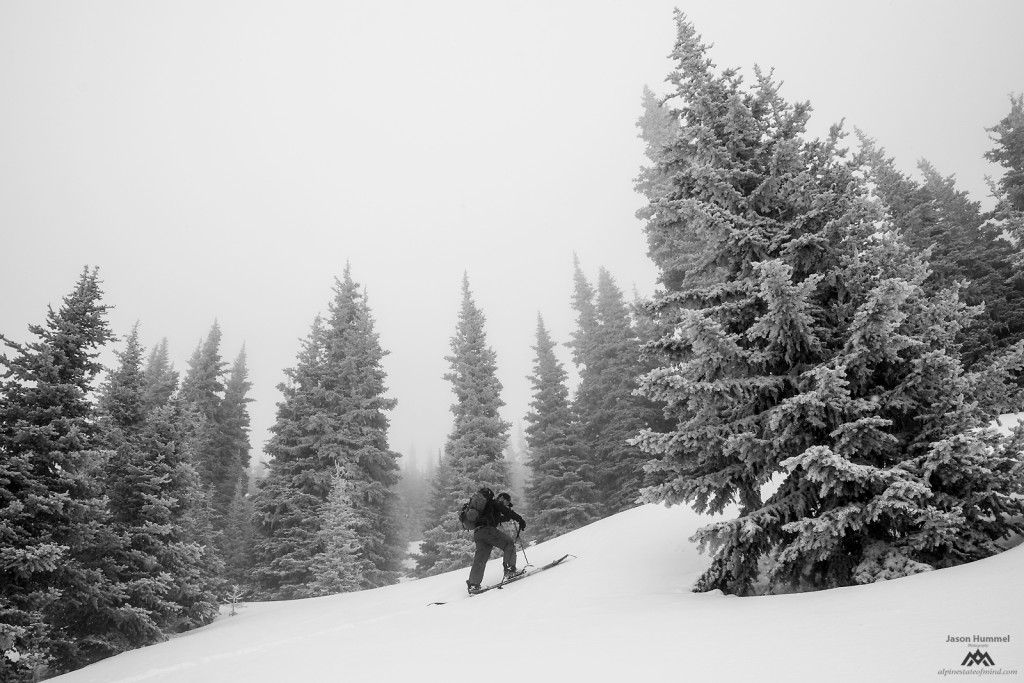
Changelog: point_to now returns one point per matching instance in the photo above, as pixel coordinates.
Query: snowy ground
(620, 610)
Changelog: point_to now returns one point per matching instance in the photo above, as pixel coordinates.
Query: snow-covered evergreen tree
(608, 412)
(963, 248)
(201, 392)
(1008, 136)
(169, 576)
(233, 485)
(473, 456)
(342, 567)
(582, 340)
(355, 395)
(239, 536)
(287, 501)
(1008, 151)
(161, 377)
(62, 603)
(561, 495)
(332, 419)
(803, 350)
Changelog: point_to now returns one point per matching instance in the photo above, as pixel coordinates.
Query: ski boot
(473, 588)
(512, 573)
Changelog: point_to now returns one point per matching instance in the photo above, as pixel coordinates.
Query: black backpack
(471, 514)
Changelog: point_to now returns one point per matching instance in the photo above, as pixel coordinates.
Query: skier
(487, 535)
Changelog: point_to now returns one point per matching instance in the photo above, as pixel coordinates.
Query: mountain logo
(977, 657)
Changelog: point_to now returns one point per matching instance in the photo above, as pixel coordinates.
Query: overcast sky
(224, 160)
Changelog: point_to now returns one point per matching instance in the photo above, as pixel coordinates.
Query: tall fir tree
(131, 488)
(234, 427)
(234, 451)
(561, 493)
(806, 352)
(287, 501)
(473, 456)
(161, 377)
(217, 401)
(239, 537)
(963, 248)
(443, 546)
(659, 129)
(169, 575)
(203, 385)
(342, 567)
(583, 304)
(607, 349)
(203, 391)
(356, 382)
(62, 604)
(332, 419)
(1008, 152)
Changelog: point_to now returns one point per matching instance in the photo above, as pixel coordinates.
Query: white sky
(224, 160)
(621, 609)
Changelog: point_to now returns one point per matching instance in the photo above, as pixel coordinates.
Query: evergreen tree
(234, 428)
(239, 538)
(356, 382)
(61, 603)
(234, 453)
(1008, 152)
(806, 351)
(136, 500)
(152, 490)
(332, 420)
(203, 386)
(287, 501)
(583, 338)
(1008, 136)
(473, 456)
(413, 491)
(609, 413)
(963, 249)
(195, 565)
(215, 443)
(160, 376)
(121, 398)
(154, 496)
(659, 129)
(561, 494)
(342, 566)
(444, 546)
(219, 438)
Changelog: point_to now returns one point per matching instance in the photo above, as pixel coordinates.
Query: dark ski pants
(487, 537)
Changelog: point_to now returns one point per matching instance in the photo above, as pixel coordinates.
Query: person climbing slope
(487, 535)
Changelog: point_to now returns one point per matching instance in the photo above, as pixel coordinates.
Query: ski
(528, 572)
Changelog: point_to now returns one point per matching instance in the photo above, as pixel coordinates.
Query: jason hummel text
(977, 639)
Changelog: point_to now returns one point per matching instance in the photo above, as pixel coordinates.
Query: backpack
(471, 514)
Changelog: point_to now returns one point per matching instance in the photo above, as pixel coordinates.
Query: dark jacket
(496, 512)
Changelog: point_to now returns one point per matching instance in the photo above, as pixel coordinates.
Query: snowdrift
(620, 609)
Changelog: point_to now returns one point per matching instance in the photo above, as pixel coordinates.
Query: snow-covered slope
(619, 610)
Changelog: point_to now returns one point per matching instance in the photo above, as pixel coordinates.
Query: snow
(620, 609)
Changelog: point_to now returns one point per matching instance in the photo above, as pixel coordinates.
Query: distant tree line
(830, 340)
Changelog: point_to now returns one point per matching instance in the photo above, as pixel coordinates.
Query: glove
(522, 527)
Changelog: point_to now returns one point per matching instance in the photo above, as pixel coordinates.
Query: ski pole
(523, 548)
